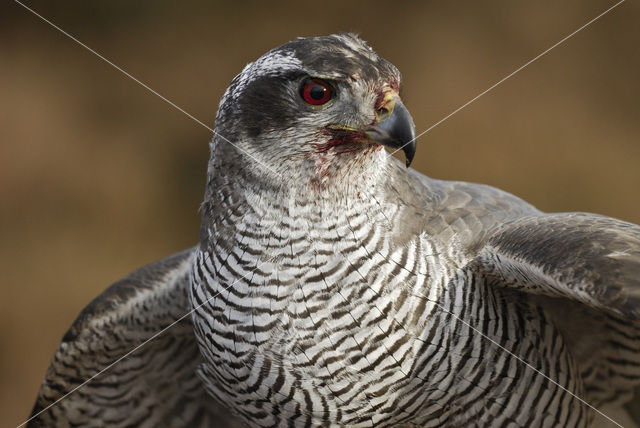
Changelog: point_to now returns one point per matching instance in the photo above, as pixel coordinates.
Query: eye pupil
(316, 92)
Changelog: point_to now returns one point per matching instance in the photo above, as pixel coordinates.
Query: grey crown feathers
(333, 286)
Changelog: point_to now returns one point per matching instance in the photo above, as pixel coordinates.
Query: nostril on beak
(382, 112)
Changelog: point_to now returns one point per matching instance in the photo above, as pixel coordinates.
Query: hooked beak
(394, 128)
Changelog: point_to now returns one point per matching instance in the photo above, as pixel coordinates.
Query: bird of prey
(333, 286)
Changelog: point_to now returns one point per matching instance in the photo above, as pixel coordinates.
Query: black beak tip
(409, 144)
(409, 150)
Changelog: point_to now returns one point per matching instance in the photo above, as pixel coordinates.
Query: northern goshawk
(332, 286)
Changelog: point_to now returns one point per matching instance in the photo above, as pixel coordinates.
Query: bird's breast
(330, 318)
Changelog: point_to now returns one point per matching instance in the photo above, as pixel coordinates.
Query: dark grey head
(315, 110)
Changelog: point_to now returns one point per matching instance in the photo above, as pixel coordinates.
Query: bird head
(315, 111)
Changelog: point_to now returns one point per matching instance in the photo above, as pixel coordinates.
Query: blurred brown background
(98, 176)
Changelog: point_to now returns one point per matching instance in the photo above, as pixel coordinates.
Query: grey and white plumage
(333, 286)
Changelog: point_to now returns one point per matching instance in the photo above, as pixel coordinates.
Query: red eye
(316, 92)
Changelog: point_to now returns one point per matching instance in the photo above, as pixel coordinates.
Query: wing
(588, 258)
(156, 385)
(584, 271)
